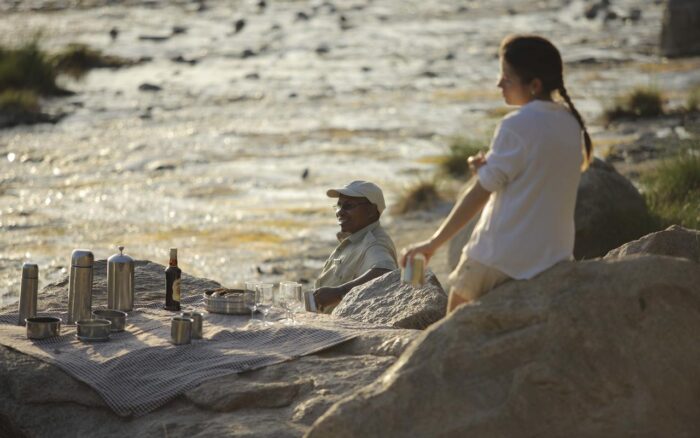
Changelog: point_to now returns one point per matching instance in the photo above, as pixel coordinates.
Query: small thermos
(28, 293)
(120, 282)
(80, 291)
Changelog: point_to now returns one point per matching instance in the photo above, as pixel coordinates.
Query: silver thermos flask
(80, 292)
(28, 293)
(120, 282)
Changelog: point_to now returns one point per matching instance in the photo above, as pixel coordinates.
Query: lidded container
(80, 291)
(120, 282)
(28, 292)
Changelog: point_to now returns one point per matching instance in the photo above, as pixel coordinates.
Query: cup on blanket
(181, 330)
(197, 318)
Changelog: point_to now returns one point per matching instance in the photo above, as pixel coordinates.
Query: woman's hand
(476, 161)
(427, 248)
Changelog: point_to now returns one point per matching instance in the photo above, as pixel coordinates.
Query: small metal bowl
(93, 329)
(116, 317)
(42, 327)
(232, 302)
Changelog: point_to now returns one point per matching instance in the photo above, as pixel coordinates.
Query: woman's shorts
(471, 279)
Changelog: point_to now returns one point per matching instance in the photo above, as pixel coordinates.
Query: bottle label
(176, 290)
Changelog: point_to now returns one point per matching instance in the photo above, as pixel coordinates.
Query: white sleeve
(504, 162)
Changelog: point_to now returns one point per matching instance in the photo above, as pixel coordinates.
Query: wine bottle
(172, 283)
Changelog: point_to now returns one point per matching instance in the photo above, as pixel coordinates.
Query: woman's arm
(466, 208)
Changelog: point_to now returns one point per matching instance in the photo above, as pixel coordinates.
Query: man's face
(355, 213)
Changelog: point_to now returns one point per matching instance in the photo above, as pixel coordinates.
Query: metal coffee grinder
(120, 282)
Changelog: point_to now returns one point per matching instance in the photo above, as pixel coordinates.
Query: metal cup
(181, 330)
(28, 294)
(197, 318)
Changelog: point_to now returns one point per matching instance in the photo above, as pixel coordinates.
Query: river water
(212, 163)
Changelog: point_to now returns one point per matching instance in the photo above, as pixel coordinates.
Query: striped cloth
(139, 370)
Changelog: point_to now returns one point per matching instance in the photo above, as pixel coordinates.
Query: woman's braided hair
(534, 57)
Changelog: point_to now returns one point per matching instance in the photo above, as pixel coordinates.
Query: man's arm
(331, 296)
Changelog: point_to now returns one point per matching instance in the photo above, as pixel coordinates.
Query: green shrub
(640, 102)
(423, 195)
(19, 101)
(27, 68)
(693, 101)
(673, 190)
(77, 59)
(455, 163)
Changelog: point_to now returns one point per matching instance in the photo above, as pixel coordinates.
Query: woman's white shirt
(533, 170)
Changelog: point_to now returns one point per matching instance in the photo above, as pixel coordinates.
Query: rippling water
(212, 163)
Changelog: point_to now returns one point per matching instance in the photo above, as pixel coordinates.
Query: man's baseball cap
(361, 189)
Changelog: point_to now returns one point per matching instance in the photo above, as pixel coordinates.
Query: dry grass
(19, 101)
(692, 103)
(639, 102)
(77, 59)
(455, 162)
(423, 195)
(673, 189)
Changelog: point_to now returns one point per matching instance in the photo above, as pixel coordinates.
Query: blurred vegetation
(19, 101)
(639, 102)
(28, 73)
(673, 189)
(454, 163)
(693, 102)
(76, 60)
(27, 68)
(423, 195)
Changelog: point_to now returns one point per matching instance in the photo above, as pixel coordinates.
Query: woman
(526, 184)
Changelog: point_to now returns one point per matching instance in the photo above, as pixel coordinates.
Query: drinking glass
(251, 300)
(284, 298)
(264, 299)
(296, 301)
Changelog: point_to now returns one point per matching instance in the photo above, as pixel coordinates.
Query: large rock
(674, 241)
(40, 400)
(597, 348)
(388, 301)
(609, 212)
(680, 31)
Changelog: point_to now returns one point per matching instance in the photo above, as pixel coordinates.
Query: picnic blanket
(139, 370)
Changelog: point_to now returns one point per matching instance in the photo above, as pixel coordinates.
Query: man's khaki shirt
(368, 248)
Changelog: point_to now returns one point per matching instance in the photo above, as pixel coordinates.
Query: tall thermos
(80, 291)
(120, 282)
(28, 292)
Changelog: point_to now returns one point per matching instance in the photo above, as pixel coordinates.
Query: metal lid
(120, 258)
(82, 258)
(173, 253)
(30, 270)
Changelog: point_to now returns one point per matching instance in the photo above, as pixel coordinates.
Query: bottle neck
(173, 262)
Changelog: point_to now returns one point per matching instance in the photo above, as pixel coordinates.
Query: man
(365, 250)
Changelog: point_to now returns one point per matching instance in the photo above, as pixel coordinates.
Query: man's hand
(328, 296)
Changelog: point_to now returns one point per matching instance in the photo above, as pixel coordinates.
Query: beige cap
(361, 189)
